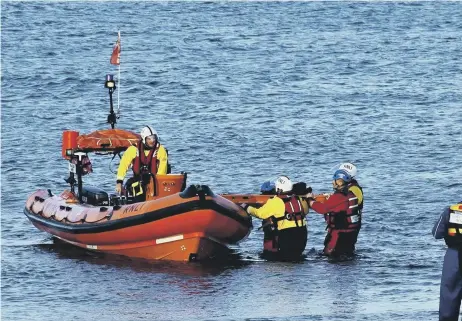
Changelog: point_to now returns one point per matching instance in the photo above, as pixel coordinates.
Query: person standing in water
(449, 227)
(286, 213)
(342, 214)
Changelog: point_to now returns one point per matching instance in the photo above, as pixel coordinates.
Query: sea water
(239, 92)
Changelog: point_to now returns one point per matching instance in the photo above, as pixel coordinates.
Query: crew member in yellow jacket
(148, 158)
(285, 216)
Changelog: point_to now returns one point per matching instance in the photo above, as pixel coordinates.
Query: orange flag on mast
(115, 57)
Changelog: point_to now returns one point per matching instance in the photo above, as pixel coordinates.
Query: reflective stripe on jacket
(454, 227)
(276, 207)
(349, 219)
(341, 211)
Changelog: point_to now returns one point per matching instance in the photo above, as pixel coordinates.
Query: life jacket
(359, 205)
(355, 183)
(293, 212)
(143, 164)
(454, 234)
(346, 220)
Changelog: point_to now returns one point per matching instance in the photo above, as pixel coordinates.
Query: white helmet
(349, 168)
(147, 131)
(283, 184)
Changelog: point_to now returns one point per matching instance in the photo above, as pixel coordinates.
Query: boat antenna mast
(111, 86)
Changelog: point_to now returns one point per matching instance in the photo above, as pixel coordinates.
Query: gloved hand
(118, 188)
(245, 206)
(309, 198)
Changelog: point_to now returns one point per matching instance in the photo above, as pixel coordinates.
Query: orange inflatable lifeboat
(174, 223)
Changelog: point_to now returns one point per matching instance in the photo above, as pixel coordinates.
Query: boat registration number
(455, 217)
(72, 168)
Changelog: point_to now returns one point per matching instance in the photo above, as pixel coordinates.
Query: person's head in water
(149, 137)
(340, 180)
(283, 185)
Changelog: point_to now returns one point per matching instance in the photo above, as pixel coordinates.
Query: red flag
(115, 57)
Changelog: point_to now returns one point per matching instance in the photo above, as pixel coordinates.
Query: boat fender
(108, 215)
(37, 199)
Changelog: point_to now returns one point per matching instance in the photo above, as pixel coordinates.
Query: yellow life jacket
(454, 234)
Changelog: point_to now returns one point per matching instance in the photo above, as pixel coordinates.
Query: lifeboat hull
(190, 247)
(181, 227)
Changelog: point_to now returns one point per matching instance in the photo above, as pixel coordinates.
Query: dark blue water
(239, 92)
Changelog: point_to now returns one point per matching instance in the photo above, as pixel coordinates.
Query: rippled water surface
(239, 92)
